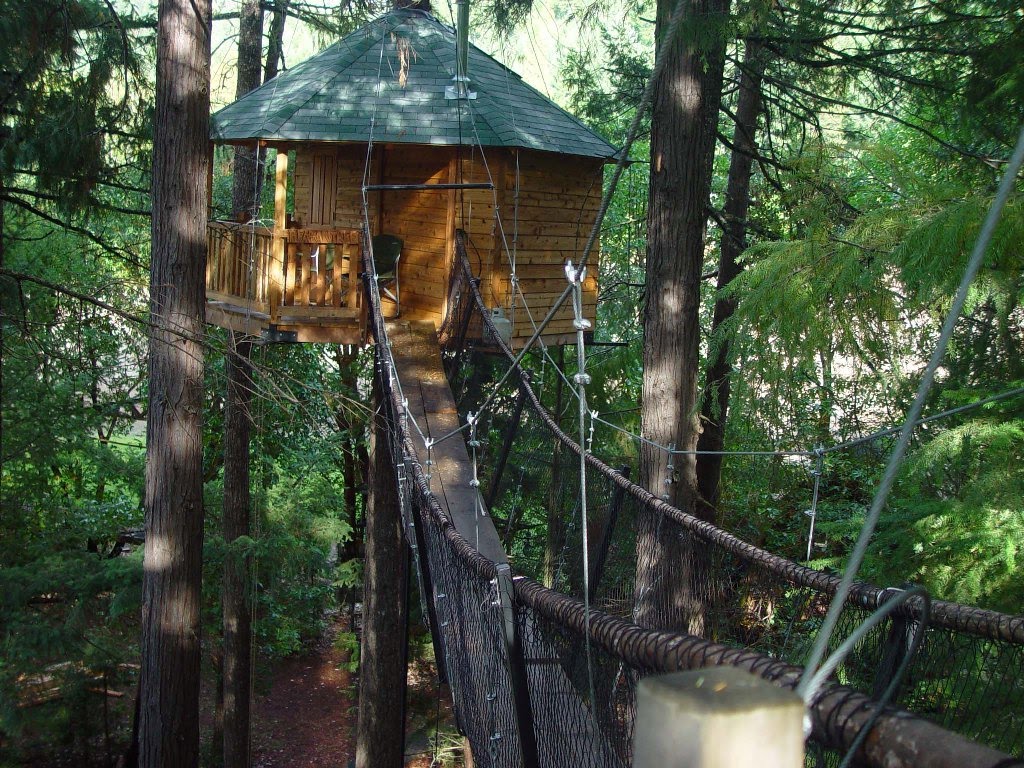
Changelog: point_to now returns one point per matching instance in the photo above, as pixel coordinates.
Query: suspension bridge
(548, 676)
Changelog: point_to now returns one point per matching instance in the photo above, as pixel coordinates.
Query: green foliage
(69, 618)
(955, 522)
(348, 644)
(71, 90)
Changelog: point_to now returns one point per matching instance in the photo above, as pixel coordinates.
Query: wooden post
(277, 253)
(380, 734)
(716, 718)
(450, 224)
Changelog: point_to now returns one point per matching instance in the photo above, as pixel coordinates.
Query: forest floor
(306, 718)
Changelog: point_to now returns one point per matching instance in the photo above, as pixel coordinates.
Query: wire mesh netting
(574, 699)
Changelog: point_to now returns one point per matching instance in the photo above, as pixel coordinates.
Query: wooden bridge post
(716, 718)
(517, 668)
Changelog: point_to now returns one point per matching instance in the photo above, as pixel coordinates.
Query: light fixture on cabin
(502, 326)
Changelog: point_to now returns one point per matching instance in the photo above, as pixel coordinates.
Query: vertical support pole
(380, 733)
(897, 641)
(450, 259)
(277, 253)
(517, 668)
(506, 449)
(614, 506)
(462, 40)
(692, 720)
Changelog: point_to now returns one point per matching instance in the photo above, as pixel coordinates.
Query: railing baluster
(265, 267)
(210, 233)
(289, 274)
(336, 274)
(317, 291)
(232, 286)
(225, 263)
(302, 279)
(354, 254)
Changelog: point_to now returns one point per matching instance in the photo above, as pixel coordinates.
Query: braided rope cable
(970, 620)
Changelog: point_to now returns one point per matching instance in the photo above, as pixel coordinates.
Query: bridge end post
(716, 718)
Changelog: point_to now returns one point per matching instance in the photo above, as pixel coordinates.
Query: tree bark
(683, 127)
(172, 580)
(3, 316)
(246, 174)
(275, 44)
(714, 409)
(380, 734)
(237, 590)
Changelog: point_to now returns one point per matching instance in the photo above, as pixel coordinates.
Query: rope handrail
(981, 622)
(837, 713)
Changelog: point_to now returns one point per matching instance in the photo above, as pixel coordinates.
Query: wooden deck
(286, 284)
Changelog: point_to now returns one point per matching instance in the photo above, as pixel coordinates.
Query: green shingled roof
(333, 96)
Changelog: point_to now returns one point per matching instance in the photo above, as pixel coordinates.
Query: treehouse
(391, 133)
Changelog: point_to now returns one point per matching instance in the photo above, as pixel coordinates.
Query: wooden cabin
(518, 174)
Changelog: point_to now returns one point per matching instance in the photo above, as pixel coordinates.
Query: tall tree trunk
(554, 541)
(714, 408)
(3, 316)
(683, 127)
(172, 580)
(344, 417)
(246, 186)
(275, 43)
(380, 735)
(237, 590)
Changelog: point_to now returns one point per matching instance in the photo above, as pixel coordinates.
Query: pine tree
(169, 687)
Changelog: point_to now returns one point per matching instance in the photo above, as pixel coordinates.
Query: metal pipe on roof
(462, 40)
(460, 87)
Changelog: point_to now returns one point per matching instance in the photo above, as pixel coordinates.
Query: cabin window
(325, 180)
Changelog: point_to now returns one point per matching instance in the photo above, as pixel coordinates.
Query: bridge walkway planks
(418, 361)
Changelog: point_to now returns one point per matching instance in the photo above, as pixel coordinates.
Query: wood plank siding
(547, 204)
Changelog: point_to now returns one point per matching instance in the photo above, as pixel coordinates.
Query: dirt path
(307, 718)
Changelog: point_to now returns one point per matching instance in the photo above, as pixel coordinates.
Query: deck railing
(292, 276)
(237, 265)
